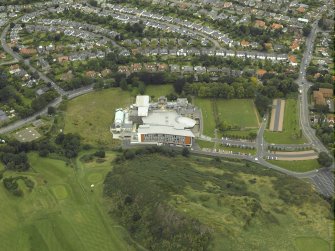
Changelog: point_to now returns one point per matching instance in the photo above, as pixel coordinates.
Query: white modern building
(162, 122)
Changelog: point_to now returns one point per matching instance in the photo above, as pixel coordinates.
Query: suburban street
(304, 85)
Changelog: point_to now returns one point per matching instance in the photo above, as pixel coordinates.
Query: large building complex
(161, 122)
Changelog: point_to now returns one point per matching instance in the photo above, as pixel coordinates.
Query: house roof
(261, 72)
(276, 26)
(292, 59)
(245, 43)
(326, 92)
(260, 23)
(318, 98)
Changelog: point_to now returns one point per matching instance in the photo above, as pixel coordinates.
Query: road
(304, 85)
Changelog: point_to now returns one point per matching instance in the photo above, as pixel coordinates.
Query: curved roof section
(186, 122)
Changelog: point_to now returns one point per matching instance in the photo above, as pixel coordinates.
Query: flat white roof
(168, 118)
(142, 103)
(152, 129)
(142, 100)
(142, 111)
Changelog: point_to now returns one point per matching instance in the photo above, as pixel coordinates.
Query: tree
(51, 110)
(123, 84)
(306, 30)
(100, 154)
(94, 3)
(324, 159)
(141, 88)
(262, 103)
(179, 85)
(185, 152)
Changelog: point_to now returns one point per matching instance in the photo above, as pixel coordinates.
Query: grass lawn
(297, 165)
(207, 115)
(291, 127)
(92, 114)
(204, 143)
(311, 244)
(156, 91)
(60, 213)
(240, 112)
(238, 134)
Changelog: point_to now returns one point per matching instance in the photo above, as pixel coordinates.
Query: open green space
(297, 165)
(204, 143)
(311, 244)
(61, 212)
(291, 133)
(229, 204)
(156, 91)
(92, 114)
(239, 113)
(206, 106)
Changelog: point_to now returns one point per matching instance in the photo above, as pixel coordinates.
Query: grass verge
(297, 165)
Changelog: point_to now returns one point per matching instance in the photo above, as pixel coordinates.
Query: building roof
(326, 92)
(142, 103)
(318, 98)
(168, 118)
(152, 129)
(119, 116)
(3, 115)
(142, 100)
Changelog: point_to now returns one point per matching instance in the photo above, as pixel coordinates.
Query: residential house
(276, 26)
(295, 45)
(14, 69)
(174, 68)
(106, 72)
(162, 67)
(62, 59)
(187, 69)
(244, 43)
(260, 24)
(260, 72)
(124, 69)
(150, 67)
(135, 67)
(28, 51)
(321, 95)
(3, 116)
(292, 60)
(91, 74)
(200, 69)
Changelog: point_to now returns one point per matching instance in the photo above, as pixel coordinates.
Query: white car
(256, 159)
